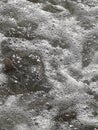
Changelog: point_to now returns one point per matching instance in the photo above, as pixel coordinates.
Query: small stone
(8, 64)
(16, 81)
(36, 123)
(38, 60)
(71, 126)
(14, 56)
(67, 115)
(18, 61)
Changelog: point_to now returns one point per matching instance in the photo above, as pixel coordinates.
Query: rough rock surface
(48, 65)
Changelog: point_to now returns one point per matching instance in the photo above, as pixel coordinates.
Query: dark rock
(9, 66)
(25, 70)
(65, 116)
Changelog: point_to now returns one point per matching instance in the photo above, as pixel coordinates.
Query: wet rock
(9, 65)
(65, 116)
(49, 44)
(25, 70)
(25, 30)
(52, 8)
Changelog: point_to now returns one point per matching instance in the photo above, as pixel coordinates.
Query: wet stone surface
(48, 64)
(25, 70)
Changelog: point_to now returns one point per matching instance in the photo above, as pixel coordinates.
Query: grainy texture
(48, 65)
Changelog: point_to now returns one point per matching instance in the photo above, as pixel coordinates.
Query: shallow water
(48, 65)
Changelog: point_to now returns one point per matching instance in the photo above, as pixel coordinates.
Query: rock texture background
(48, 64)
